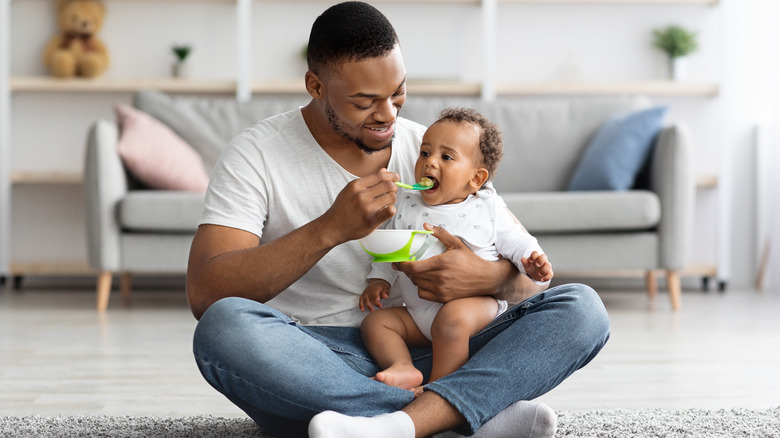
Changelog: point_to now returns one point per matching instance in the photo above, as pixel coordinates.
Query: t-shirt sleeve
(513, 242)
(237, 196)
(383, 271)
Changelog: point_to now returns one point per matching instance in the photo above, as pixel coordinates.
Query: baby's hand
(376, 291)
(537, 267)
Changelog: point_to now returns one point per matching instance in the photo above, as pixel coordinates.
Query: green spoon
(424, 184)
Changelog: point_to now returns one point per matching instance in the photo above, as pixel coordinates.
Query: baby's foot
(400, 376)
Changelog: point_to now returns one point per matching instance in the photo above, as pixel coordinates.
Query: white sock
(520, 419)
(331, 424)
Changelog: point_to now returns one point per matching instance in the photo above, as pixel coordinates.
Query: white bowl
(396, 245)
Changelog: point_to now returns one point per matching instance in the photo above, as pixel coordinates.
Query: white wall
(597, 42)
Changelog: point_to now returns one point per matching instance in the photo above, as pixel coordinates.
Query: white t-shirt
(482, 222)
(274, 178)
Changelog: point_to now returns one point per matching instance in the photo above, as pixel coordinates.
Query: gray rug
(698, 423)
(693, 423)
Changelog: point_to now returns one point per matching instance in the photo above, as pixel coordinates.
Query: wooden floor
(59, 357)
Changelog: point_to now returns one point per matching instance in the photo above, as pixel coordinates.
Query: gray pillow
(209, 123)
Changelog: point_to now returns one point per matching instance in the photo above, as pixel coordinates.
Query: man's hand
(537, 267)
(361, 206)
(458, 273)
(376, 291)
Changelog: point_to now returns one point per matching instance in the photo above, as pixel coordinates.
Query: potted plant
(676, 42)
(181, 52)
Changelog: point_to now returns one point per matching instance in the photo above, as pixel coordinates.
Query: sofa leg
(675, 292)
(126, 283)
(103, 290)
(651, 284)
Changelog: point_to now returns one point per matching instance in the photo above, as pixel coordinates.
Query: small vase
(676, 69)
(179, 69)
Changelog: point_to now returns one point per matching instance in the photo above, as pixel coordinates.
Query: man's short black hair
(349, 31)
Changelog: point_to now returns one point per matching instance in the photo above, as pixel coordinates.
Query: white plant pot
(677, 68)
(180, 69)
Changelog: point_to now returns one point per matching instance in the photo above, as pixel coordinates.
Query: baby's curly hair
(490, 143)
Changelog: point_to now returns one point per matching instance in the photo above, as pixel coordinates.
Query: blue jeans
(282, 374)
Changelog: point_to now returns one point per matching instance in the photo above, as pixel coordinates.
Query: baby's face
(450, 156)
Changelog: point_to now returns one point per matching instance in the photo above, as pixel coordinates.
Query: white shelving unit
(243, 86)
(9, 178)
(5, 139)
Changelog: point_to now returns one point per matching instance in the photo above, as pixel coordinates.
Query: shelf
(707, 181)
(281, 86)
(415, 86)
(102, 85)
(443, 87)
(50, 268)
(46, 177)
(654, 88)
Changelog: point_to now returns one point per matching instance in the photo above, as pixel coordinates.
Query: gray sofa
(134, 230)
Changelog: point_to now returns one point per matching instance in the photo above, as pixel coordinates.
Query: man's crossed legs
(282, 374)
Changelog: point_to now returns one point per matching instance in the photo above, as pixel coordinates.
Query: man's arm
(228, 262)
(459, 273)
(518, 286)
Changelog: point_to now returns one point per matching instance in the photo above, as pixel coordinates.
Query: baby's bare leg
(456, 322)
(388, 334)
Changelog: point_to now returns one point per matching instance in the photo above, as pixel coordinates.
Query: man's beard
(334, 123)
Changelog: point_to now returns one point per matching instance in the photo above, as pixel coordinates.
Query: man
(275, 273)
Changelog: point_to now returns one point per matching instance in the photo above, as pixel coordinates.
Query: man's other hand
(457, 273)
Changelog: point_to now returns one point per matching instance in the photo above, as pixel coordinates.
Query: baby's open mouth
(435, 182)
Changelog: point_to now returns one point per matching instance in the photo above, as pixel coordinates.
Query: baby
(459, 153)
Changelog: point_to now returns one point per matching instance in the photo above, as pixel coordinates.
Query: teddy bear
(76, 51)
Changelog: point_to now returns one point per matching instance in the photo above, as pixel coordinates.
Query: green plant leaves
(675, 41)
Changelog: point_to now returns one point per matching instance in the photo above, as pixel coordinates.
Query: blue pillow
(617, 152)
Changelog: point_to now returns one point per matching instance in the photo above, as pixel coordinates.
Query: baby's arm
(381, 277)
(376, 291)
(537, 267)
(513, 242)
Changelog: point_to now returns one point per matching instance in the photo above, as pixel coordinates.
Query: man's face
(363, 99)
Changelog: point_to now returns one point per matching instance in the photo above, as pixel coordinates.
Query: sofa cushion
(615, 155)
(575, 212)
(160, 211)
(156, 155)
(209, 123)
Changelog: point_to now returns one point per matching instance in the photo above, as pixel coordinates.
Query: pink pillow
(155, 155)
